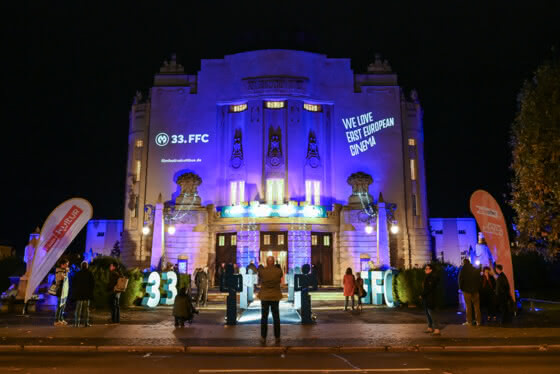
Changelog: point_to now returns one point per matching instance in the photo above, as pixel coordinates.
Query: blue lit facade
(280, 152)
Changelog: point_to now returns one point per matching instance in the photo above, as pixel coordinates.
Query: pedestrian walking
(270, 295)
(503, 296)
(183, 309)
(429, 299)
(82, 291)
(201, 280)
(61, 281)
(469, 283)
(115, 296)
(349, 284)
(359, 290)
(488, 294)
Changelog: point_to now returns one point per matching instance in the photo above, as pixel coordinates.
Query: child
(183, 309)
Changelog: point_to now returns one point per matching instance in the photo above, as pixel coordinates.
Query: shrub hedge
(407, 285)
(100, 269)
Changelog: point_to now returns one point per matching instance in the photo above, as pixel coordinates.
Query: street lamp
(369, 229)
(171, 230)
(145, 230)
(394, 228)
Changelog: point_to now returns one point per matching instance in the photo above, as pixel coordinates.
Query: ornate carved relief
(313, 158)
(274, 156)
(236, 159)
(360, 182)
(189, 183)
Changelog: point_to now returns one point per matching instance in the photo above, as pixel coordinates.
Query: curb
(235, 350)
(142, 348)
(59, 348)
(270, 350)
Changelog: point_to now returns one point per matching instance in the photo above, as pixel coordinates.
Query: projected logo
(162, 139)
(360, 129)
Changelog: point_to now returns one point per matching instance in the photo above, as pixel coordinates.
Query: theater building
(278, 152)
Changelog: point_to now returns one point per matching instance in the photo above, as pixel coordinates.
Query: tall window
(275, 191)
(236, 192)
(413, 169)
(138, 170)
(313, 192)
(414, 207)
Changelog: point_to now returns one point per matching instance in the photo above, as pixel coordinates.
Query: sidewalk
(375, 329)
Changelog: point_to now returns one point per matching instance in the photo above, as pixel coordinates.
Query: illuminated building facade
(276, 152)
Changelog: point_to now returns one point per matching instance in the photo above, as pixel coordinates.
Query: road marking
(386, 370)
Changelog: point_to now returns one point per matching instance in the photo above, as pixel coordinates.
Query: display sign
(491, 222)
(60, 228)
(360, 130)
(264, 210)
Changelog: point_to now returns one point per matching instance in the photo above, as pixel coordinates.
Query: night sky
(72, 71)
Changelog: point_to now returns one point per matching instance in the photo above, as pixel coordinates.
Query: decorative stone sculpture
(172, 67)
(189, 183)
(274, 154)
(312, 157)
(236, 159)
(360, 182)
(378, 66)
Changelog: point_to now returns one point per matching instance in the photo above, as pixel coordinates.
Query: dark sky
(72, 71)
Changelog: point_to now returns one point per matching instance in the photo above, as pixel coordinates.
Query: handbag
(121, 285)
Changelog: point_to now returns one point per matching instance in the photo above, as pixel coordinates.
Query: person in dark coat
(115, 297)
(253, 267)
(220, 273)
(183, 309)
(82, 291)
(201, 280)
(488, 294)
(503, 295)
(469, 283)
(429, 299)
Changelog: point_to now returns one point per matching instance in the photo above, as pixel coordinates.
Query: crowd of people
(483, 292)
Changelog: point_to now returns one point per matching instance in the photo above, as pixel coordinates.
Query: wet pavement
(378, 326)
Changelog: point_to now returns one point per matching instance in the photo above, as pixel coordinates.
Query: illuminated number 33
(153, 281)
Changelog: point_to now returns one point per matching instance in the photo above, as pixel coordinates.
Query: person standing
(488, 294)
(183, 310)
(270, 295)
(201, 280)
(429, 299)
(469, 283)
(61, 281)
(359, 291)
(252, 266)
(220, 273)
(115, 296)
(82, 290)
(503, 295)
(349, 283)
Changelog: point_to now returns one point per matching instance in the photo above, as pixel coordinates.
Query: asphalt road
(414, 362)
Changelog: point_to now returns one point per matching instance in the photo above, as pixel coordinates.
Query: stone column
(158, 236)
(382, 234)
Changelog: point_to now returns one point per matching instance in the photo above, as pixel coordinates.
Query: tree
(536, 162)
(116, 251)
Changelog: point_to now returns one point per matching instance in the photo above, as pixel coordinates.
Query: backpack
(121, 285)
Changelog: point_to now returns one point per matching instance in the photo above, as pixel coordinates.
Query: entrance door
(226, 250)
(275, 244)
(322, 256)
